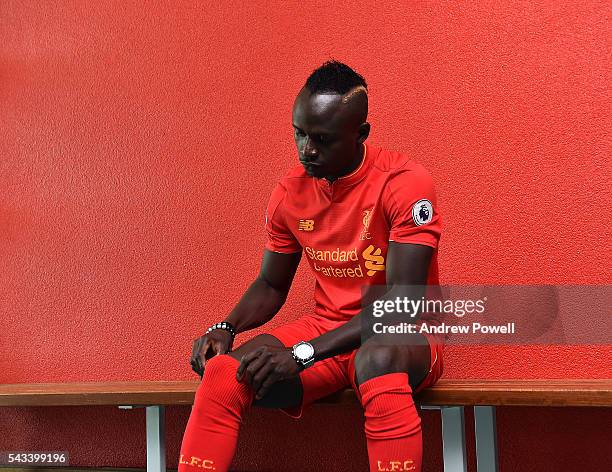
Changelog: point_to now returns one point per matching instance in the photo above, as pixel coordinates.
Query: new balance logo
(306, 225)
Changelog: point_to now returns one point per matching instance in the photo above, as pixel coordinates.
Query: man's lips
(304, 163)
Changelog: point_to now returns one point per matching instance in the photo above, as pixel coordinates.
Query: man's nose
(309, 150)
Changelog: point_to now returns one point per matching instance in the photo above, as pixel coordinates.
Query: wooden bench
(449, 396)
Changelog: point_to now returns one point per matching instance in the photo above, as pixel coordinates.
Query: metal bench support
(486, 438)
(156, 438)
(453, 439)
(156, 435)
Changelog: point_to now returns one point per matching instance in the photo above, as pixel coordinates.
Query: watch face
(304, 351)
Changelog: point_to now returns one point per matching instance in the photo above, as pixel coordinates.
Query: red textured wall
(139, 145)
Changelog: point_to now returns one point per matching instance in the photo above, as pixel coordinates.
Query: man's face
(326, 134)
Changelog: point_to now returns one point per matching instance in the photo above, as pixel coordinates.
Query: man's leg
(209, 441)
(387, 371)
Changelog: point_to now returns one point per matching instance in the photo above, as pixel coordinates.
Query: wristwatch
(303, 353)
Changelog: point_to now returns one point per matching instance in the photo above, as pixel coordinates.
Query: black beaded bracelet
(223, 325)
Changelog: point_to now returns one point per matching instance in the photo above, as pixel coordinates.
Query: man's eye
(299, 133)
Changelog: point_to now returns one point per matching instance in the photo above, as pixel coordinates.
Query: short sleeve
(411, 207)
(279, 238)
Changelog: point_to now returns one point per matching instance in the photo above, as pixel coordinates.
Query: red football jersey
(344, 227)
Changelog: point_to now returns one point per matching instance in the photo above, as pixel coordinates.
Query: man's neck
(359, 156)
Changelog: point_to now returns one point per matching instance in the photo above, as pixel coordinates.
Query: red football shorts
(335, 373)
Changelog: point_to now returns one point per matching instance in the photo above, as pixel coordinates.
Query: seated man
(363, 216)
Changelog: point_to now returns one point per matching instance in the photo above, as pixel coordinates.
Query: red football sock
(392, 424)
(211, 434)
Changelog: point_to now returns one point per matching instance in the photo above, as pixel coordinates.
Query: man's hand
(264, 366)
(218, 341)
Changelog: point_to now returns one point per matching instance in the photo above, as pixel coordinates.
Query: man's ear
(364, 132)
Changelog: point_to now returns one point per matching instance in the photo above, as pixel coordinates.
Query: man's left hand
(264, 366)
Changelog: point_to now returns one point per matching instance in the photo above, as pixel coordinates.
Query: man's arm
(268, 292)
(407, 265)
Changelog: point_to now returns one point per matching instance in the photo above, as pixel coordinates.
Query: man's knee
(282, 394)
(218, 371)
(376, 357)
(219, 384)
(373, 360)
(218, 367)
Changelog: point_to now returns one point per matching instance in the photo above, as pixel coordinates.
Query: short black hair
(334, 76)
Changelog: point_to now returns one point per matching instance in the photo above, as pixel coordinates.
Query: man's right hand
(218, 341)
